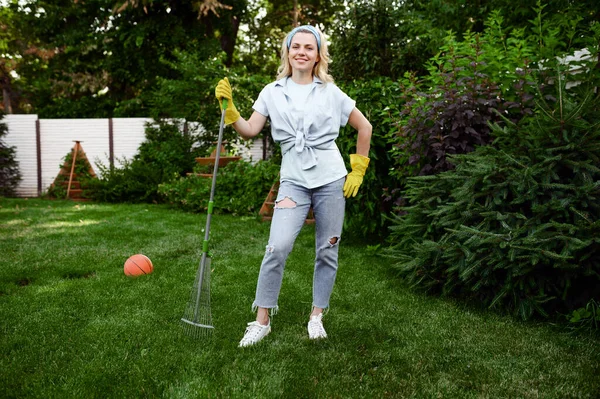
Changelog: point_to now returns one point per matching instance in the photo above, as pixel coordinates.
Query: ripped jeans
(291, 208)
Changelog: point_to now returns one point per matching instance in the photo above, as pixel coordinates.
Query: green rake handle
(208, 220)
(211, 203)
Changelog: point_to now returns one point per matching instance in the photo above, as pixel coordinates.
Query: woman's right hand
(223, 90)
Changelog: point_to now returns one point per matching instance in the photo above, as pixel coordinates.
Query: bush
(448, 112)
(380, 101)
(516, 225)
(241, 188)
(416, 123)
(9, 167)
(165, 153)
(454, 117)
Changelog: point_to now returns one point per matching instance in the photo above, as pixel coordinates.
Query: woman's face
(303, 52)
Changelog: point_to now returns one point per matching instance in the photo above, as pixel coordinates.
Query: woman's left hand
(354, 179)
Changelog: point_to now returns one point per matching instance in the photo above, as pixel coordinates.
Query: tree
(375, 38)
(205, 8)
(268, 23)
(5, 63)
(10, 46)
(390, 37)
(102, 58)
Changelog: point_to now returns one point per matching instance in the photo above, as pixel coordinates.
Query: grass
(72, 325)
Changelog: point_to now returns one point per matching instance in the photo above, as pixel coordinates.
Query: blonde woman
(306, 110)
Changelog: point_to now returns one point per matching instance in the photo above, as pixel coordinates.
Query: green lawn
(73, 325)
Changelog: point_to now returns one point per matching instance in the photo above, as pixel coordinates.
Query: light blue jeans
(328, 204)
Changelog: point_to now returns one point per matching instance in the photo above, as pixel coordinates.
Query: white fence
(41, 145)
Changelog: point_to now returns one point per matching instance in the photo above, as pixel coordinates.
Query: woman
(306, 111)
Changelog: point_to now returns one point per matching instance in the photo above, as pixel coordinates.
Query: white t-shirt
(298, 95)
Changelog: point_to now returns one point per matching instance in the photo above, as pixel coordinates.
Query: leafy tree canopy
(389, 37)
(271, 20)
(99, 58)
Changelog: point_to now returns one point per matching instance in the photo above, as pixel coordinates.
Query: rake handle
(210, 211)
(214, 178)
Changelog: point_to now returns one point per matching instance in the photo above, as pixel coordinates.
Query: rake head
(197, 319)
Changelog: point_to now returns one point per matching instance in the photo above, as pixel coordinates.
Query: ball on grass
(138, 264)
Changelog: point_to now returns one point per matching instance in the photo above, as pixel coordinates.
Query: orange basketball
(137, 265)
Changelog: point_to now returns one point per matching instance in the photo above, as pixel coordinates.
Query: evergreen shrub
(516, 225)
(10, 175)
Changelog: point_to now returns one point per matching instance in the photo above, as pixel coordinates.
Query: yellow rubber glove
(354, 179)
(223, 90)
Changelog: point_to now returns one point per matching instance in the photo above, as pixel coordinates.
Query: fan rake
(197, 318)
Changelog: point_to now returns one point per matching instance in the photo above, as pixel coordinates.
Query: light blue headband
(309, 28)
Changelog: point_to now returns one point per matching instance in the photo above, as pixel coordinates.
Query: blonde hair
(321, 68)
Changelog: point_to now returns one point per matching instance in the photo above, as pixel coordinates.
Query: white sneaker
(254, 333)
(315, 327)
